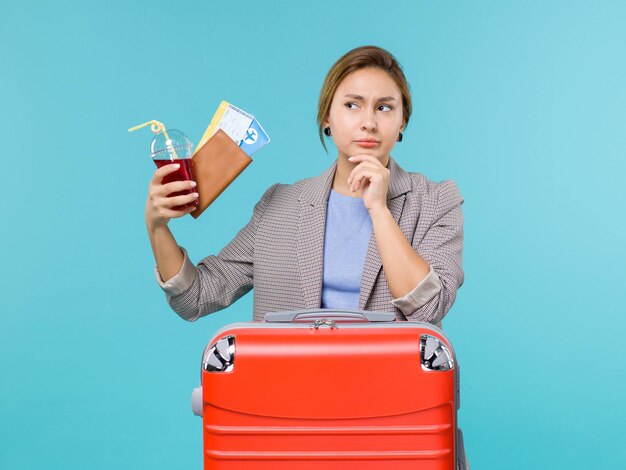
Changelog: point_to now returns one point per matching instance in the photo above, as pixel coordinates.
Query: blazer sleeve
(218, 280)
(442, 248)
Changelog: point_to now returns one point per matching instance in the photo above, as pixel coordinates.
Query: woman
(364, 234)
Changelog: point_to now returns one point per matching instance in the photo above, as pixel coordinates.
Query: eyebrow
(359, 97)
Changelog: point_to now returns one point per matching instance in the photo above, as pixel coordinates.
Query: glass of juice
(170, 147)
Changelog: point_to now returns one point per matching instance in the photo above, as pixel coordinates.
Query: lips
(367, 143)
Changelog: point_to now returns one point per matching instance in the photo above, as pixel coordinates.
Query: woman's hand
(372, 178)
(159, 206)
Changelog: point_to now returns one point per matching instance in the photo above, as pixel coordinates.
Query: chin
(363, 151)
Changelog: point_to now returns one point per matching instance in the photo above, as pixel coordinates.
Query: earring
(400, 137)
(327, 131)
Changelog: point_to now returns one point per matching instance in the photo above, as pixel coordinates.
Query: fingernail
(193, 184)
(177, 166)
(195, 195)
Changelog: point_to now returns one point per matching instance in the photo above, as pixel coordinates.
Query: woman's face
(367, 105)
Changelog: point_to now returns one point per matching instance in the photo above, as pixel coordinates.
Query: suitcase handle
(338, 316)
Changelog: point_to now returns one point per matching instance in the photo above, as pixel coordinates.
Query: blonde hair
(357, 59)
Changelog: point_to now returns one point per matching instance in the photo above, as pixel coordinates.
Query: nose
(369, 121)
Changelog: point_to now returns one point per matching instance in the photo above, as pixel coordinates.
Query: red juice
(184, 173)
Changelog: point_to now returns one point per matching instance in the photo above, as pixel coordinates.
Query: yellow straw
(156, 127)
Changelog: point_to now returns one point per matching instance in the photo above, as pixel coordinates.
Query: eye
(389, 108)
(349, 104)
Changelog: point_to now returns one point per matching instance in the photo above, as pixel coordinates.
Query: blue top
(348, 230)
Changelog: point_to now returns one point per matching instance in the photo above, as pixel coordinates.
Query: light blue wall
(522, 103)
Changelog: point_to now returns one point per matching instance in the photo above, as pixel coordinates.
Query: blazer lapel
(311, 228)
(399, 185)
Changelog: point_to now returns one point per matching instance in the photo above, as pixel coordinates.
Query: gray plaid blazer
(280, 253)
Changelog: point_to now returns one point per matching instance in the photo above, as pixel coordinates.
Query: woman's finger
(370, 176)
(162, 172)
(169, 202)
(174, 186)
(359, 167)
(361, 172)
(164, 206)
(365, 158)
(356, 181)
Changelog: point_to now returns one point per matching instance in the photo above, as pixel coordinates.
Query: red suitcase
(330, 390)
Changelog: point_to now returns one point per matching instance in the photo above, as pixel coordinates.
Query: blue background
(522, 103)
